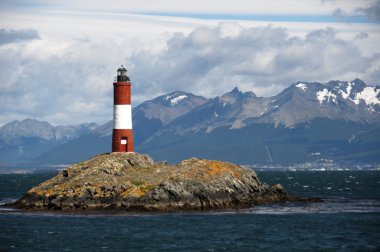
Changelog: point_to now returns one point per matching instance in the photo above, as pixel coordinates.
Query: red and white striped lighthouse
(122, 136)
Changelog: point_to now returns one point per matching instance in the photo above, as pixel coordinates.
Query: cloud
(66, 76)
(341, 15)
(372, 11)
(369, 9)
(263, 59)
(361, 35)
(70, 85)
(16, 36)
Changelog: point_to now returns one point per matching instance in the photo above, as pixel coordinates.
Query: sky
(58, 59)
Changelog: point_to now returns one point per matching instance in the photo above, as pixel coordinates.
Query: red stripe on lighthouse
(118, 138)
(122, 93)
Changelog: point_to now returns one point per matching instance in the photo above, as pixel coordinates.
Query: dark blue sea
(347, 220)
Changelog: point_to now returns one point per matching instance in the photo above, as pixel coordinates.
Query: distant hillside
(22, 141)
(307, 121)
(148, 118)
(337, 120)
(261, 143)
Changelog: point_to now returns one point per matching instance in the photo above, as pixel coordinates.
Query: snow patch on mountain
(346, 94)
(325, 95)
(302, 86)
(178, 99)
(369, 95)
(174, 99)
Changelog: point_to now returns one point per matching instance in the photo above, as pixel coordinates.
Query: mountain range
(337, 120)
(22, 141)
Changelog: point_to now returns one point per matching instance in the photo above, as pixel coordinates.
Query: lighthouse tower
(122, 136)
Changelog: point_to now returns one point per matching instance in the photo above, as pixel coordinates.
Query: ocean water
(348, 219)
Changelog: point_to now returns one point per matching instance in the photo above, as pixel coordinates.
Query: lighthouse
(122, 136)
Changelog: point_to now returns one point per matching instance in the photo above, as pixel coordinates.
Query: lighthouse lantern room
(122, 136)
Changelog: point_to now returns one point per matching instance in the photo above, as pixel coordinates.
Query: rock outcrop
(133, 181)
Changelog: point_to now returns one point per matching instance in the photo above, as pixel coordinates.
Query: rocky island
(134, 182)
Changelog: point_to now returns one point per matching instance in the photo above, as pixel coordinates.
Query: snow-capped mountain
(358, 92)
(152, 115)
(166, 108)
(337, 100)
(148, 118)
(337, 120)
(303, 101)
(230, 109)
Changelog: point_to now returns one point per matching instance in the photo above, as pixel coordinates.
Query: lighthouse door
(124, 144)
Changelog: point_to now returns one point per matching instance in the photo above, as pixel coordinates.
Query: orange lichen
(135, 192)
(220, 168)
(138, 191)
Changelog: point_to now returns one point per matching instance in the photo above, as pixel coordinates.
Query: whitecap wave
(4, 201)
(330, 205)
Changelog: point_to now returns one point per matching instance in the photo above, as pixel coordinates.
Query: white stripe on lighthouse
(122, 116)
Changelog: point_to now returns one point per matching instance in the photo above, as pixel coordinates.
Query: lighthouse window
(123, 140)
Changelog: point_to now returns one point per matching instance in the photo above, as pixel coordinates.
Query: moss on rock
(133, 181)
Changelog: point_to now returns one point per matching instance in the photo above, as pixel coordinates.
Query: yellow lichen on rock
(220, 168)
(134, 181)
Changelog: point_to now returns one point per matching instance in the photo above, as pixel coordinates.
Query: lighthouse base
(122, 140)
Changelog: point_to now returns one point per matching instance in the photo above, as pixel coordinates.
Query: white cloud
(371, 10)
(62, 71)
(208, 63)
